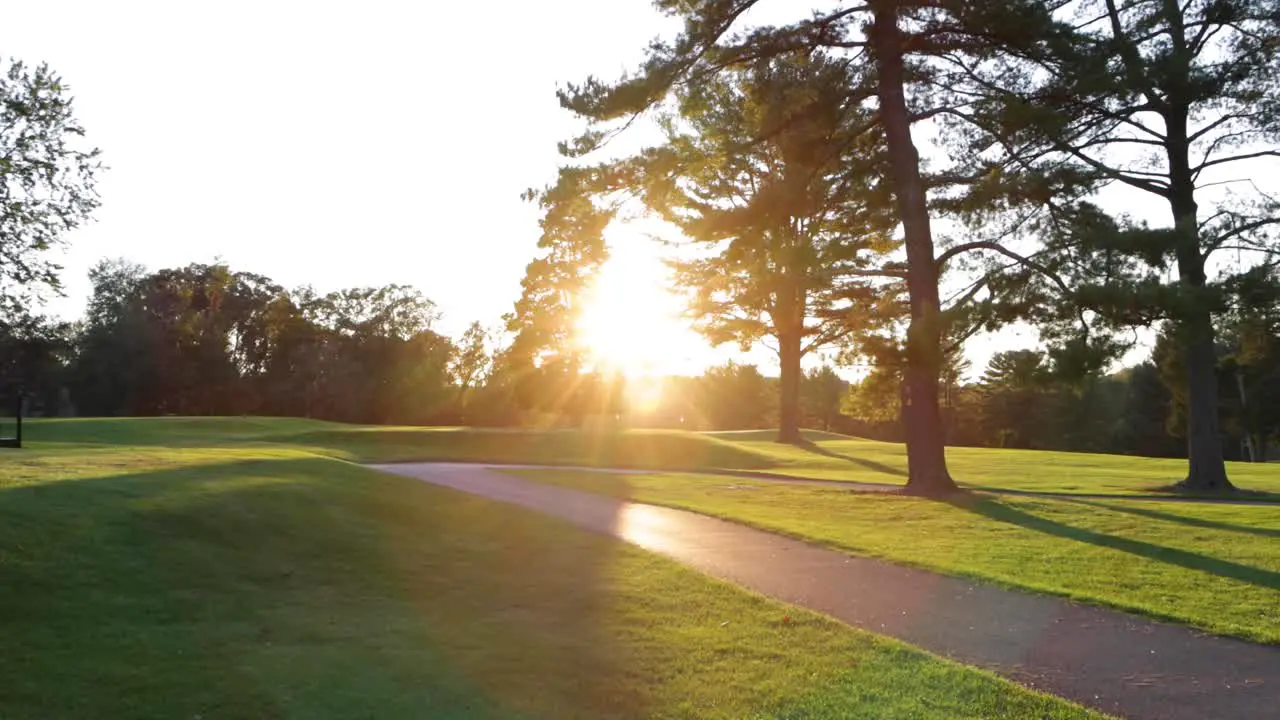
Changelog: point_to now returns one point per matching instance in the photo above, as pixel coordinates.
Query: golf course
(251, 567)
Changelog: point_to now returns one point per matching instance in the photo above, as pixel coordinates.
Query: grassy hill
(240, 568)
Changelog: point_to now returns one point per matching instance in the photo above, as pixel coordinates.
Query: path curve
(1118, 663)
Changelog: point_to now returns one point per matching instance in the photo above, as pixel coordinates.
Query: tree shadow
(999, 511)
(301, 587)
(1155, 494)
(810, 446)
(1180, 519)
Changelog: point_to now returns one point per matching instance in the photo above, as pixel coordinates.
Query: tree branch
(1234, 158)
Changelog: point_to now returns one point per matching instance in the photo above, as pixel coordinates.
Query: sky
(342, 144)
(335, 144)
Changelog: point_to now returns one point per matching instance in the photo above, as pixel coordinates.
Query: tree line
(208, 340)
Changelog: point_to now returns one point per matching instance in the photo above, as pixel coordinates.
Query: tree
(110, 363)
(1251, 331)
(783, 228)
(1166, 99)
(379, 360)
(204, 339)
(1014, 398)
(47, 178)
(544, 362)
(734, 397)
(822, 396)
(471, 363)
(35, 354)
(1140, 427)
(922, 417)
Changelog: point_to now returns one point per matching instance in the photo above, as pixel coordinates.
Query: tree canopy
(48, 177)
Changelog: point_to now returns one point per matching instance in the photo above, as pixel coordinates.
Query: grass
(655, 449)
(824, 456)
(231, 575)
(828, 456)
(1212, 566)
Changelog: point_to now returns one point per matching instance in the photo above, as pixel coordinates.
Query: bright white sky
(350, 143)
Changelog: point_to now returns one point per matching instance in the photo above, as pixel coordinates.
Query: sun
(630, 322)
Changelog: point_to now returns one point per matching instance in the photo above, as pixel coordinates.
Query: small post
(19, 419)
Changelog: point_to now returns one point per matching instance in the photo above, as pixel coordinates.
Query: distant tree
(822, 394)
(1141, 426)
(111, 362)
(380, 361)
(472, 362)
(877, 396)
(47, 178)
(177, 322)
(1251, 368)
(1014, 398)
(735, 397)
(35, 357)
(204, 339)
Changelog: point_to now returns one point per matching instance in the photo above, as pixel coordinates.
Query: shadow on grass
(636, 449)
(1159, 494)
(872, 465)
(1180, 519)
(304, 588)
(997, 510)
(1239, 495)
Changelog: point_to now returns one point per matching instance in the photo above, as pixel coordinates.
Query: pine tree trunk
(1206, 467)
(922, 420)
(789, 385)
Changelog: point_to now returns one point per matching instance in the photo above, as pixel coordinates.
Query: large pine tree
(1176, 101)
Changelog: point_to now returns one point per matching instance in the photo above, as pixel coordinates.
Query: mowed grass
(1212, 566)
(827, 456)
(824, 456)
(655, 449)
(234, 579)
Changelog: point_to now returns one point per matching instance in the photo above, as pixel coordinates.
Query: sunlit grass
(824, 456)
(829, 456)
(1212, 566)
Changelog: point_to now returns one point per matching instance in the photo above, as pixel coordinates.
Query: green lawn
(237, 576)
(1216, 567)
(825, 455)
(837, 457)
(665, 449)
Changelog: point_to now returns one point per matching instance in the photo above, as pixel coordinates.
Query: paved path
(1118, 663)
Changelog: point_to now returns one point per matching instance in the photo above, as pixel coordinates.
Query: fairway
(824, 456)
(234, 578)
